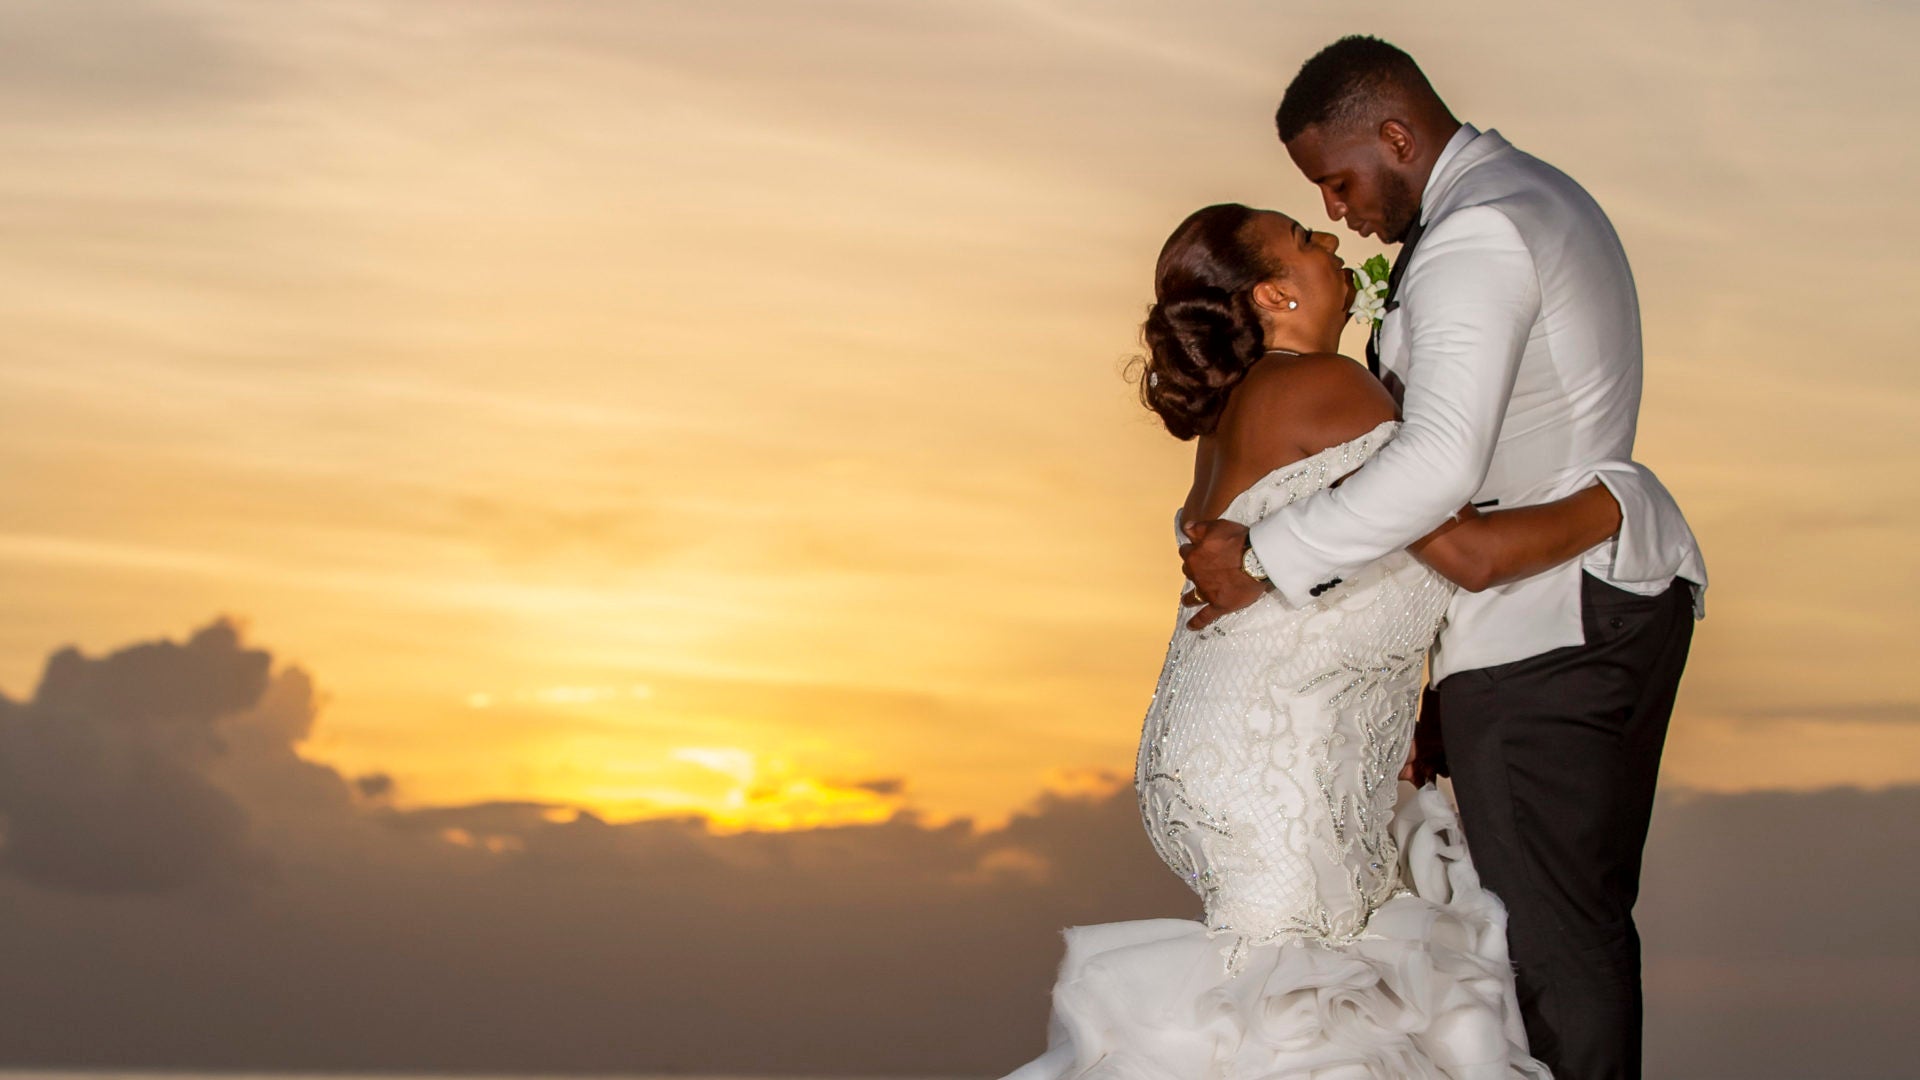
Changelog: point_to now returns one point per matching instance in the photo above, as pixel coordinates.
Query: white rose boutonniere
(1370, 291)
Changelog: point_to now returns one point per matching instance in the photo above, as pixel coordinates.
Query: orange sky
(717, 407)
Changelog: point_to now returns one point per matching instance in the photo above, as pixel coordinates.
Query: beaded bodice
(1267, 764)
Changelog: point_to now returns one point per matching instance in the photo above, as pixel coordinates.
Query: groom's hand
(1213, 563)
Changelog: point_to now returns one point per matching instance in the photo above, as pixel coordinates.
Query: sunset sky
(710, 416)
(667, 407)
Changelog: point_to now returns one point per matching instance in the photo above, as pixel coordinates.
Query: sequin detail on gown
(1266, 770)
(1345, 933)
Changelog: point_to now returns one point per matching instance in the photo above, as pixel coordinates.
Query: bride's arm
(1479, 551)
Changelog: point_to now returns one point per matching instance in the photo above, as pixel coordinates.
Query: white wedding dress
(1345, 936)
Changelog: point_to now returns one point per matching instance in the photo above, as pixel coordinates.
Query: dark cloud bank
(178, 887)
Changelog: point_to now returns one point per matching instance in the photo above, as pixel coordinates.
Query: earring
(1293, 303)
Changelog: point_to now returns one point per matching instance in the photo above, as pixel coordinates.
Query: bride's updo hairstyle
(1203, 332)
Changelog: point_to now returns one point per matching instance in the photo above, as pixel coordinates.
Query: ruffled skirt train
(1426, 992)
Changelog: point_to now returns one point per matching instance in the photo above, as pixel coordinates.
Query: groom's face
(1359, 180)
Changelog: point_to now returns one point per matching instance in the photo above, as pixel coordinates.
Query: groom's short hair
(1348, 85)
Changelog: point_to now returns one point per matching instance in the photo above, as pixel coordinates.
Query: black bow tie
(1393, 284)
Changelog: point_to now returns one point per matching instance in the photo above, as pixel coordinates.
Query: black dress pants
(1553, 761)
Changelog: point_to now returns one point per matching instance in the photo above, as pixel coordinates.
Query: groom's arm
(1469, 299)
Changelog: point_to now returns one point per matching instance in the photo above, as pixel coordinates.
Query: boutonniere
(1370, 291)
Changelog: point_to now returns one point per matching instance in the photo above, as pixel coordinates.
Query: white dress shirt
(1514, 347)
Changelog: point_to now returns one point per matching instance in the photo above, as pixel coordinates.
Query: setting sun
(576, 537)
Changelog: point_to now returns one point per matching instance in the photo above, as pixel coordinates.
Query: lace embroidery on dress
(1267, 766)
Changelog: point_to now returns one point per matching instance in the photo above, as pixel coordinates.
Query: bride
(1345, 933)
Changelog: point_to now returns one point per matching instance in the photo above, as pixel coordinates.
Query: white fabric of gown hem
(1427, 991)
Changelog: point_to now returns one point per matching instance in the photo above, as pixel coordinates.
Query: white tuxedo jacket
(1514, 348)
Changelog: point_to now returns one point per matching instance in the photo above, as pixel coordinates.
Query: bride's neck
(1294, 339)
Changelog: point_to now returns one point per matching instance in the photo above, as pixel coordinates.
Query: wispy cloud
(1868, 712)
(780, 345)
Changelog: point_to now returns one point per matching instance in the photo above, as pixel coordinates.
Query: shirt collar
(1461, 138)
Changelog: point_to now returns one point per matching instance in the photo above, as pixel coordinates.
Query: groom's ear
(1399, 140)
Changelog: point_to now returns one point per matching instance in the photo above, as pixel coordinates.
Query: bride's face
(1313, 274)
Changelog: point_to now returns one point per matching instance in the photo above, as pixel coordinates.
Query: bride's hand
(1427, 757)
(1213, 562)
(1423, 764)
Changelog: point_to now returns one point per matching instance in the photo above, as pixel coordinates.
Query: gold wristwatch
(1251, 563)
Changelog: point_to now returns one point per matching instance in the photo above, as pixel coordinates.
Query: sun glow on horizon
(628, 408)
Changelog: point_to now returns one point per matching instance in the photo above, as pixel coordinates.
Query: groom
(1512, 340)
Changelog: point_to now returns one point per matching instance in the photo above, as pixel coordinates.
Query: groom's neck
(1433, 136)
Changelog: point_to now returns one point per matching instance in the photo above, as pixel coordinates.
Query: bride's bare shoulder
(1311, 401)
